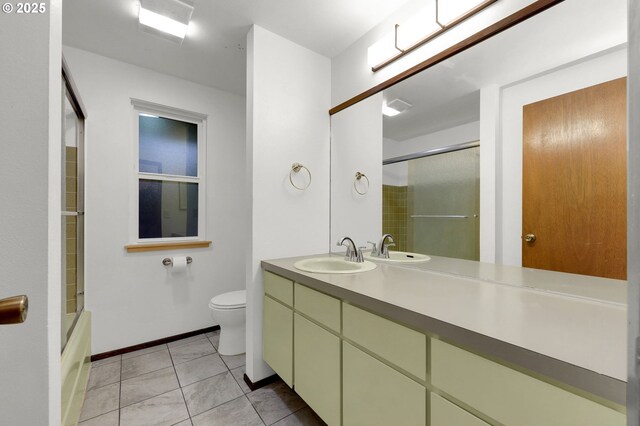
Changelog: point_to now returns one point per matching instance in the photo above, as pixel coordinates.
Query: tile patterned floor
(185, 383)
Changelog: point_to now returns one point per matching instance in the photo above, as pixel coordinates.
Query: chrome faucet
(382, 249)
(353, 253)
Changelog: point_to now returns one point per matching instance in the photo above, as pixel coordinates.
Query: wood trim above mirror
(504, 24)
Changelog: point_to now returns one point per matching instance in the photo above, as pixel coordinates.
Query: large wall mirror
(474, 155)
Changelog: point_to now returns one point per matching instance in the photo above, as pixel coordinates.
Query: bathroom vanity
(424, 345)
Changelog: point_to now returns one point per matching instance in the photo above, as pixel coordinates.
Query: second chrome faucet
(382, 249)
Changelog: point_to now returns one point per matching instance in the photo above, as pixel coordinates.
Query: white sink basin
(400, 257)
(333, 265)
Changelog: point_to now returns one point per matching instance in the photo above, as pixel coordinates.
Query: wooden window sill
(136, 248)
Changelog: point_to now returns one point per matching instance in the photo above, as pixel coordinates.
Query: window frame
(163, 111)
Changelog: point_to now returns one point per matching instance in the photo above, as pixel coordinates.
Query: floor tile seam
(229, 402)
(216, 406)
(151, 397)
(256, 410)
(146, 372)
(186, 343)
(146, 399)
(106, 412)
(102, 386)
(180, 363)
(146, 353)
(103, 414)
(186, 406)
(239, 384)
(102, 364)
(206, 378)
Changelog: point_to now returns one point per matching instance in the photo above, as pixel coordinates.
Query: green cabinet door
(277, 338)
(444, 413)
(376, 394)
(317, 368)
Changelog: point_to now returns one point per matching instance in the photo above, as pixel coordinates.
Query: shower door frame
(70, 92)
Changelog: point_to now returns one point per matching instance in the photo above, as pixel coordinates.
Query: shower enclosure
(72, 210)
(431, 202)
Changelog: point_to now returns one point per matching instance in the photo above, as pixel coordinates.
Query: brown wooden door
(574, 182)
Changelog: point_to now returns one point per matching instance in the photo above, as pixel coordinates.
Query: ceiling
(213, 54)
(448, 94)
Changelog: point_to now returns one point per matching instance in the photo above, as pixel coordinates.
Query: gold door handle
(13, 310)
(530, 238)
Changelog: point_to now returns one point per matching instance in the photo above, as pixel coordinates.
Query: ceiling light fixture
(395, 107)
(421, 28)
(168, 19)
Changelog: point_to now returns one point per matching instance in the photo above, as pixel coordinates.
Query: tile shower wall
(71, 165)
(394, 214)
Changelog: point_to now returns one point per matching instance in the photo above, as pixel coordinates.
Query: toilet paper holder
(167, 261)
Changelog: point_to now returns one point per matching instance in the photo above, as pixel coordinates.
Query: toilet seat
(229, 301)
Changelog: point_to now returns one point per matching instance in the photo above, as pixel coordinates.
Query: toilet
(228, 310)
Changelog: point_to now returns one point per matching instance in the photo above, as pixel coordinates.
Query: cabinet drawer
(318, 306)
(376, 394)
(277, 337)
(396, 343)
(511, 397)
(317, 368)
(444, 413)
(278, 287)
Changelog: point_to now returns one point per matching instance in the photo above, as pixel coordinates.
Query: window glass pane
(168, 146)
(167, 209)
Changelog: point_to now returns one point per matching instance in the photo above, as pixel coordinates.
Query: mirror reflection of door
(430, 204)
(574, 182)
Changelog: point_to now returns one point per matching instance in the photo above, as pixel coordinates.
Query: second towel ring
(359, 177)
(295, 168)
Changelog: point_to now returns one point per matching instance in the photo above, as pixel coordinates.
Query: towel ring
(295, 168)
(359, 177)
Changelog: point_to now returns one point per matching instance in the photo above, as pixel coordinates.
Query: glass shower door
(443, 203)
(72, 211)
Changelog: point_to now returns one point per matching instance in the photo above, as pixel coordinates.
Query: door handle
(13, 310)
(530, 238)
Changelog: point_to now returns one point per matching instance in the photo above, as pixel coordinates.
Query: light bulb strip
(431, 36)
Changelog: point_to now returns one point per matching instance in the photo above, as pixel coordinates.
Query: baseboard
(260, 383)
(139, 346)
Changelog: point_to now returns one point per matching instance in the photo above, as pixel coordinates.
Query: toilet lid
(231, 300)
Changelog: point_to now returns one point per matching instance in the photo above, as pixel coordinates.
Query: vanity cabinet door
(376, 394)
(509, 396)
(317, 368)
(444, 413)
(277, 338)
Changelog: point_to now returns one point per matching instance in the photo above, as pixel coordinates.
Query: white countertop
(569, 318)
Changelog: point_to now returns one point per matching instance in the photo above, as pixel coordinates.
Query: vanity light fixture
(424, 26)
(168, 19)
(395, 107)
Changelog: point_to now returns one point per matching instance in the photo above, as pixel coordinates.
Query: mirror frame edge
(633, 214)
(515, 18)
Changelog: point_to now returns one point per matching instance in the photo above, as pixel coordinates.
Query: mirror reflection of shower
(431, 201)
(72, 212)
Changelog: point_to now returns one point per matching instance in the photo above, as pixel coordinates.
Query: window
(170, 168)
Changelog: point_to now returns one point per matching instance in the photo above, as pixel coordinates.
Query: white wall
(30, 225)
(134, 292)
(469, 132)
(584, 74)
(396, 174)
(351, 75)
(356, 146)
(288, 98)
